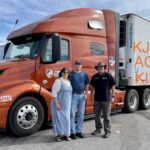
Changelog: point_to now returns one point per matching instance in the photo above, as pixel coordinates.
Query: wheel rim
(147, 99)
(133, 101)
(27, 116)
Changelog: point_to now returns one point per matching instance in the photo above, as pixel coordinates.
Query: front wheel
(26, 116)
(131, 101)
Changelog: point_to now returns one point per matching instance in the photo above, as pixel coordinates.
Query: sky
(28, 11)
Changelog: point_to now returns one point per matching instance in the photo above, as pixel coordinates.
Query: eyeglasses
(77, 64)
(65, 72)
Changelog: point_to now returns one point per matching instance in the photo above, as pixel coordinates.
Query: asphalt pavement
(129, 132)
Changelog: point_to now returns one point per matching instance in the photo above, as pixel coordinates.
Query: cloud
(3, 39)
(28, 11)
(134, 6)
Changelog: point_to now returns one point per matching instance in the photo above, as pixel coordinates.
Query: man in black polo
(104, 86)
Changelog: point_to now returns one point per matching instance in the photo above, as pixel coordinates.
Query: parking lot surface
(129, 132)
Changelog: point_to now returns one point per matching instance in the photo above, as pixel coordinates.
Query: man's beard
(102, 71)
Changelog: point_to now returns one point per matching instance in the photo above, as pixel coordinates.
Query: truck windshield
(27, 47)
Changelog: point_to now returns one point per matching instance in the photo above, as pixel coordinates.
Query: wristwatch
(113, 96)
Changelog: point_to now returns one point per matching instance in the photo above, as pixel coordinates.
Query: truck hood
(15, 71)
(5, 64)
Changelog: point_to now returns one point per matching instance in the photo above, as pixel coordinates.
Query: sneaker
(106, 135)
(80, 135)
(58, 139)
(73, 136)
(66, 138)
(97, 131)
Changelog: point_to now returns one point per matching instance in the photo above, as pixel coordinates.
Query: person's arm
(113, 93)
(92, 93)
(55, 89)
(86, 91)
(86, 86)
(112, 85)
(92, 88)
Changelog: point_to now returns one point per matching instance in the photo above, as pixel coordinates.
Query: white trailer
(134, 60)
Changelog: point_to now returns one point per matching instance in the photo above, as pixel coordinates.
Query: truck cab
(39, 50)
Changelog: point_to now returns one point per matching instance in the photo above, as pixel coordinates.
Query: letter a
(138, 62)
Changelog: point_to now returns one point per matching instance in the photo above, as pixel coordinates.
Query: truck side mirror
(5, 49)
(56, 47)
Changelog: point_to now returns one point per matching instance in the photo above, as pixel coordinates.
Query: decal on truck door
(49, 73)
(56, 73)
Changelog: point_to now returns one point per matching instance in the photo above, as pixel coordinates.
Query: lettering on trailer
(142, 62)
(5, 99)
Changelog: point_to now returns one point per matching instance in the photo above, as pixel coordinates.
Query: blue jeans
(77, 105)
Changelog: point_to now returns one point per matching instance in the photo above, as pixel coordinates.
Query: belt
(78, 92)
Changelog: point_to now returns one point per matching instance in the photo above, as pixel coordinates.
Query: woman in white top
(61, 105)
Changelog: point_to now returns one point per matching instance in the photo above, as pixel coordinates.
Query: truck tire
(26, 116)
(145, 101)
(131, 101)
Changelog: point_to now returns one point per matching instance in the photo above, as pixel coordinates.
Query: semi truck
(38, 51)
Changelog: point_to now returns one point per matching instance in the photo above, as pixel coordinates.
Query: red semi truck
(39, 50)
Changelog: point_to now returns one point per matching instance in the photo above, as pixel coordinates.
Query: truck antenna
(16, 22)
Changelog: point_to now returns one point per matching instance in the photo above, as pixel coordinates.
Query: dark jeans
(105, 108)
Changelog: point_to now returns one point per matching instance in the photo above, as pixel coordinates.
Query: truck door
(98, 52)
(48, 69)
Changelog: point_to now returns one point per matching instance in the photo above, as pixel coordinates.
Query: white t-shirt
(57, 85)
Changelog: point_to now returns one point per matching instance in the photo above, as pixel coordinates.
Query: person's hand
(57, 104)
(85, 96)
(112, 99)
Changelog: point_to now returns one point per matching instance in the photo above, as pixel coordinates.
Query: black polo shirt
(102, 85)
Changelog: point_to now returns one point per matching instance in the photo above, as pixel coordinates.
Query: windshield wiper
(22, 56)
